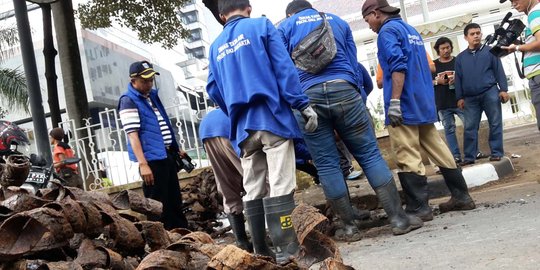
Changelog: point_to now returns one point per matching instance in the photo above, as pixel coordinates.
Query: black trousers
(166, 190)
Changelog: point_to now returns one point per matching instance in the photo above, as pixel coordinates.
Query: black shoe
(466, 162)
(458, 160)
(481, 155)
(495, 158)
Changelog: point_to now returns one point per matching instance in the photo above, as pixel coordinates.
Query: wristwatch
(435, 82)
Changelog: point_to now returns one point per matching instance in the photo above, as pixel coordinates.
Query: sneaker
(495, 159)
(481, 155)
(458, 160)
(354, 175)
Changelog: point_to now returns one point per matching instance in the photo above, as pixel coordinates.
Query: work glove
(311, 119)
(394, 113)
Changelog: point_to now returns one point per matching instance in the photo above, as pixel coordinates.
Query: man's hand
(146, 174)
(461, 104)
(512, 48)
(311, 119)
(504, 96)
(441, 80)
(394, 113)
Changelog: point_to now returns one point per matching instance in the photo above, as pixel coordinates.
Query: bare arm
(398, 79)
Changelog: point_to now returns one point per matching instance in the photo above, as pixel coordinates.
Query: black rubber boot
(278, 216)
(400, 222)
(358, 214)
(343, 209)
(257, 227)
(239, 231)
(460, 200)
(415, 188)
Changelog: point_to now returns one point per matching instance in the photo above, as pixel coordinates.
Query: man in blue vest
(410, 111)
(252, 79)
(335, 93)
(151, 142)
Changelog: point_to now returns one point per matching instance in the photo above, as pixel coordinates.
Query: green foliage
(152, 20)
(13, 88)
(12, 81)
(8, 39)
(3, 113)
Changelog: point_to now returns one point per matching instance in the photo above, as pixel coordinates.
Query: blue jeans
(489, 103)
(449, 123)
(339, 107)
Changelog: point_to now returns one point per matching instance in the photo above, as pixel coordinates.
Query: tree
(154, 21)
(12, 81)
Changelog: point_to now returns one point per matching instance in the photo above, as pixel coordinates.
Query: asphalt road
(502, 233)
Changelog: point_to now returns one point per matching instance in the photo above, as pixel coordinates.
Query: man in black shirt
(445, 95)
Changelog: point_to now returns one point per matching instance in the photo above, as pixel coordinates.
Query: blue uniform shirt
(344, 64)
(401, 49)
(253, 79)
(214, 124)
(366, 85)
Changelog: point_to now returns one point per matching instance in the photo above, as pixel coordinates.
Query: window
(510, 80)
(195, 35)
(198, 52)
(189, 17)
(514, 104)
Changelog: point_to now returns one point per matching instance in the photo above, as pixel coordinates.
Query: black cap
(296, 6)
(142, 69)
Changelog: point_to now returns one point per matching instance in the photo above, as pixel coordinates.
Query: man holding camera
(151, 142)
(481, 86)
(531, 49)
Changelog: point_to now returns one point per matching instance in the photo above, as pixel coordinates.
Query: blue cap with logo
(142, 69)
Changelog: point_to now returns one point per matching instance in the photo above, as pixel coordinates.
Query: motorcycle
(43, 176)
(39, 175)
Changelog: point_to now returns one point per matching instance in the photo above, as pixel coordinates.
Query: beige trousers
(408, 140)
(267, 155)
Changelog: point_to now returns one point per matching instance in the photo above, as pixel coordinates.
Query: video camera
(505, 37)
(187, 165)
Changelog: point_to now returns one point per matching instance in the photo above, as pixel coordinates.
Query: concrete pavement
(502, 233)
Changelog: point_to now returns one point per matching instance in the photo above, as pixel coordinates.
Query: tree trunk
(49, 52)
(72, 73)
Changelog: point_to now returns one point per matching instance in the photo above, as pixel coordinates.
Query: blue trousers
(449, 123)
(339, 107)
(489, 103)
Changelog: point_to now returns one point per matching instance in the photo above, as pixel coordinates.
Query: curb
(475, 176)
(362, 194)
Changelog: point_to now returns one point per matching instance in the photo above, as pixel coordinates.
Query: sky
(273, 9)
